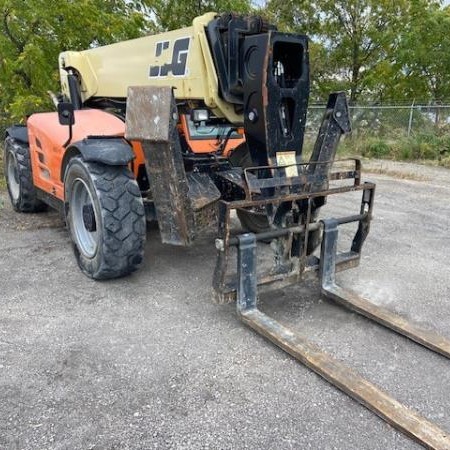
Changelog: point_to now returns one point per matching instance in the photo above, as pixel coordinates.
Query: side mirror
(66, 114)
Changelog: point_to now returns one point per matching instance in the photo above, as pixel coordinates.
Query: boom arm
(180, 58)
(239, 67)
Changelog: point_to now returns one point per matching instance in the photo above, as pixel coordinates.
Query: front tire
(106, 218)
(19, 177)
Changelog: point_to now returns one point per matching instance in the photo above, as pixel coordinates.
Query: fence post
(411, 118)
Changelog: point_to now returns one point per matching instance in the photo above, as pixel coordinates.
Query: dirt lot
(150, 362)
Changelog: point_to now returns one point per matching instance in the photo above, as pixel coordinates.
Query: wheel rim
(85, 232)
(13, 176)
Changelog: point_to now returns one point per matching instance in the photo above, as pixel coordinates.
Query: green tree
(352, 39)
(422, 58)
(173, 14)
(33, 32)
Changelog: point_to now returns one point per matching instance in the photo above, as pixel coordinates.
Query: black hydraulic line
(74, 91)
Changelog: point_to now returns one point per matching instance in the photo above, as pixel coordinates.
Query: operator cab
(210, 136)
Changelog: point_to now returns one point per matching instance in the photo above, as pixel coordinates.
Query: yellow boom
(179, 58)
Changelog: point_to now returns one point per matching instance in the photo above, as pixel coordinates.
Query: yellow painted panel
(179, 58)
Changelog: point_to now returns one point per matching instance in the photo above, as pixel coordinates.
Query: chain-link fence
(395, 131)
(402, 132)
(392, 119)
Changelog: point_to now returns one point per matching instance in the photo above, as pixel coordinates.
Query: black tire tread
(28, 201)
(252, 221)
(123, 218)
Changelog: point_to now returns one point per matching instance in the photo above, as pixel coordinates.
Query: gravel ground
(150, 362)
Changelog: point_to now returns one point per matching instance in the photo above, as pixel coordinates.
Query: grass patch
(425, 148)
(443, 162)
(429, 149)
(398, 174)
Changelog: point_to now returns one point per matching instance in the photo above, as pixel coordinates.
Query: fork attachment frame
(398, 415)
(295, 264)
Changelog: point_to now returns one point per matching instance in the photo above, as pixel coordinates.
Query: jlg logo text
(179, 58)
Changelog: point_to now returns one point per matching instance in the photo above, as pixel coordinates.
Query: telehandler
(184, 128)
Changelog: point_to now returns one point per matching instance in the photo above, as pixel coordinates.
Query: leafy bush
(378, 149)
(444, 145)
(405, 152)
(445, 162)
(422, 146)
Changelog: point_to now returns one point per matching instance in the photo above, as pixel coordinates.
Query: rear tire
(255, 220)
(106, 218)
(252, 219)
(19, 177)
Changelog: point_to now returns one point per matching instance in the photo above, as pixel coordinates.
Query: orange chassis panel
(47, 138)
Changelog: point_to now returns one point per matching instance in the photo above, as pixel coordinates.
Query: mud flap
(152, 119)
